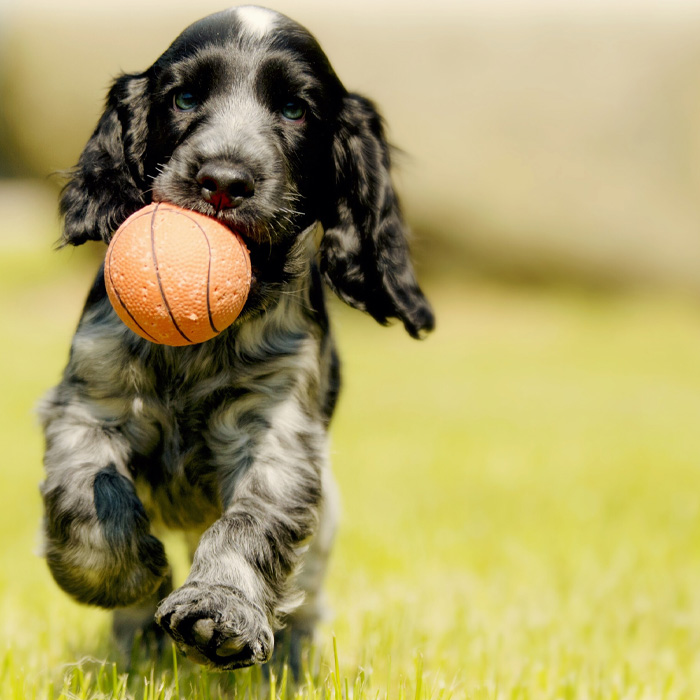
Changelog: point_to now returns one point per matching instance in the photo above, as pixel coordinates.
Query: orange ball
(175, 276)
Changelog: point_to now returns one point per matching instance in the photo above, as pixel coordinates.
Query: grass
(521, 501)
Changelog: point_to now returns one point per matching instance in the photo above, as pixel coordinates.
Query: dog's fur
(225, 440)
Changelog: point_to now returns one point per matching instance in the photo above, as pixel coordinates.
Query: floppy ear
(108, 183)
(364, 252)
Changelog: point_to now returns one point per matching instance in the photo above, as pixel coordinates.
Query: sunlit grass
(521, 499)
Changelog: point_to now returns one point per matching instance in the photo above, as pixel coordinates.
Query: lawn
(521, 497)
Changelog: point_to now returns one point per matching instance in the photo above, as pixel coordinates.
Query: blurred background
(542, 140)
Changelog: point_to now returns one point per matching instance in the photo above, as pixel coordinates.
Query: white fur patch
(257, 20)
(239, 574)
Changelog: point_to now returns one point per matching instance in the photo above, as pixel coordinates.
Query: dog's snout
(225, 186)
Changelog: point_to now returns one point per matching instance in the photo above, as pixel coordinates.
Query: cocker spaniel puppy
(242, 119)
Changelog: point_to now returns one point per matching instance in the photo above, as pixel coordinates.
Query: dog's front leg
(96, 532)
(224, 614)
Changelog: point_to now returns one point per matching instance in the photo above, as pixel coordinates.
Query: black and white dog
(243, 119)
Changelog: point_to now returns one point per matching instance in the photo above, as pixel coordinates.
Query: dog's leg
(97, 539)
(239, 585)
(299, 631)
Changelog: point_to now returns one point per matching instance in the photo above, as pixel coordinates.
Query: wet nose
(225, 186)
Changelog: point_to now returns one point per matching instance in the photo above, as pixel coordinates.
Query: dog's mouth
(265, 223)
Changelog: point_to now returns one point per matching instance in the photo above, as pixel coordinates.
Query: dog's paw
(215, 626)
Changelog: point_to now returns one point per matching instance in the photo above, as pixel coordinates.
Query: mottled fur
(227, 440)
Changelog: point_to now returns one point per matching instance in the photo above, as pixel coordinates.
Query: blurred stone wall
(539, 140)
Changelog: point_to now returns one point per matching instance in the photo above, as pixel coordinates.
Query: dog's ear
(108, 184)
(364, 252)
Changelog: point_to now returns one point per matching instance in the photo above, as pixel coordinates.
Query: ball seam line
(116, 291)
(206, 238)
(160, 284)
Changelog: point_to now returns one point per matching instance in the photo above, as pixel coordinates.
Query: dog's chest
(192, 429)
(196, 417)
(172, 463)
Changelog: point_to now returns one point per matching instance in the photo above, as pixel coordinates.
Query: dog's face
(243, 119)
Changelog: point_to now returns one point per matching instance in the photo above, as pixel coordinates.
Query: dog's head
(244, 119)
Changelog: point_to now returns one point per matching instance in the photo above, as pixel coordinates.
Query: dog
(242, 119)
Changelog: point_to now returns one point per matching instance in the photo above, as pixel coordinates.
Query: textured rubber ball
(176, 277)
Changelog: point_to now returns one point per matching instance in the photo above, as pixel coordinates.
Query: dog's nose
(225, 186)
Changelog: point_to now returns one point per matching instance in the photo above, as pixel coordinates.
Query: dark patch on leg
(118, 508)
(122, 517)
(98, 545)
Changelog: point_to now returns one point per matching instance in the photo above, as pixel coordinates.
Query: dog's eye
(294, 111)
(185, 101)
